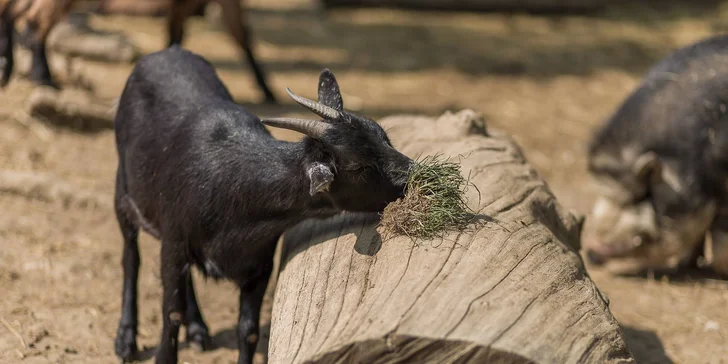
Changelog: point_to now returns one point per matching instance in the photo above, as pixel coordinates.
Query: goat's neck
(297, 157)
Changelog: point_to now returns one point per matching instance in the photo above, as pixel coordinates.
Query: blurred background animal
(34, 19)
(661, 162)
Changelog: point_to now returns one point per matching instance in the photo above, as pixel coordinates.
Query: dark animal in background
(661, 162)
(233, 17)
(203, 175)
(237, 26)
(38, 17)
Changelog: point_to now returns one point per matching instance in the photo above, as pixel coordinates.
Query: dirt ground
(547, 80)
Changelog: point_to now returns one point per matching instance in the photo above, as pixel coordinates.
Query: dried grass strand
(434, 203)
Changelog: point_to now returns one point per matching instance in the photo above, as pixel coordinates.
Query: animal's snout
(401, 177)
(595, 251)
(595, 258)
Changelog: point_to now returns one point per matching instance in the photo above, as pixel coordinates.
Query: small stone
(712, 326)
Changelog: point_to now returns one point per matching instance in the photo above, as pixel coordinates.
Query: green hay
(434, 203)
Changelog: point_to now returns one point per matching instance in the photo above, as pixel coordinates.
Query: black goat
(204, 176)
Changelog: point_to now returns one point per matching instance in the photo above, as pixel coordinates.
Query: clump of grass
(434, 202)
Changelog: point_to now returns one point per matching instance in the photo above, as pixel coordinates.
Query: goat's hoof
(125, 344)
(199, 341)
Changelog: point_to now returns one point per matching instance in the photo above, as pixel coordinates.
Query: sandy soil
(547, 80)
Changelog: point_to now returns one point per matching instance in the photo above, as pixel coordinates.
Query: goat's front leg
(197, 333)
(251, 300)
(125, 344)
(174, 301)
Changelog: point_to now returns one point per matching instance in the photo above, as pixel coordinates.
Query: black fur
(679, 112)
(205, 176)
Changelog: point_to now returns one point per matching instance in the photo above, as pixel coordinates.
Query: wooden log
(512, 290)
(481, 5)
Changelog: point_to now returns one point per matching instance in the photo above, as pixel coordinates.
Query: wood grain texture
(511, 290)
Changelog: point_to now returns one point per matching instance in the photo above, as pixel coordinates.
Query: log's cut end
(512, 289)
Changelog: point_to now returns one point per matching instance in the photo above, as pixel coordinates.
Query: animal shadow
(312, 232)
(645, 346)
(227, 339)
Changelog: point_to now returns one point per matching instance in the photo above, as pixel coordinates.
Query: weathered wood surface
(513, 290)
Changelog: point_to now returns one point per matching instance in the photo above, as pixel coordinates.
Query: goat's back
(170, 90)
(177, 127)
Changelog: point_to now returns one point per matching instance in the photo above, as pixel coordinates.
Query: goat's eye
(354, 167)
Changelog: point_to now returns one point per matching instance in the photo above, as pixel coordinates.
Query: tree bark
(513, 289)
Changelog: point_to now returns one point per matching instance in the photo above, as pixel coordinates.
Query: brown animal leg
(7, 60)
(233, 17)
(179, 11)
(40, 72)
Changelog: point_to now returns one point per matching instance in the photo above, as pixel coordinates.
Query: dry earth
(547, 80)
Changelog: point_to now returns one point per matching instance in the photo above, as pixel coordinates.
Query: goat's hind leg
(125, 344)
(198, 335)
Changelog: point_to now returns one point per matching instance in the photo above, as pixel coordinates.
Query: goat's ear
(320, 176)
(646, 166)
(328, 91)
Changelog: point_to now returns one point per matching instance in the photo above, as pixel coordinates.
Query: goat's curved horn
(315, 107)
(313, 128)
